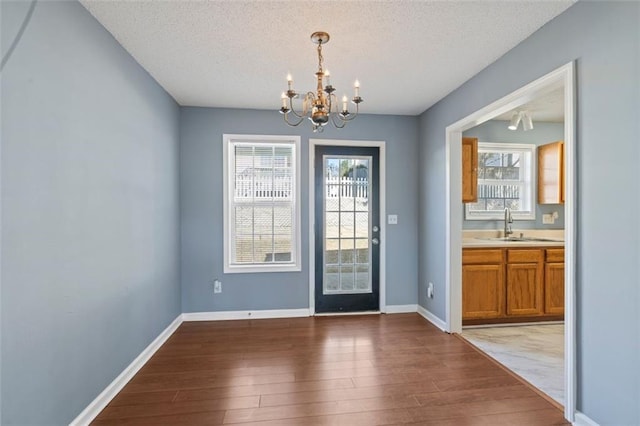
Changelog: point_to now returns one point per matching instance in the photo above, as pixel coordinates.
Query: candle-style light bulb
(344, 102)
(327, 75)
(284, 100)
(356, 86)
(289, 81)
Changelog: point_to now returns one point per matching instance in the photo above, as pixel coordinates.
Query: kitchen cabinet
(525, 269)
(501, 285)
(482, 283)
(469, 170)
(551, 173)
(554, 281)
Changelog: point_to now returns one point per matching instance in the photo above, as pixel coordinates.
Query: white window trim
(296, 255)
(517, 215)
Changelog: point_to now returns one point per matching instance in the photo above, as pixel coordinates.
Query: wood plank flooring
(349, 370)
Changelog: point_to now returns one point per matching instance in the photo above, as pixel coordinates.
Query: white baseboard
(240, 315)
(513, 324)
(101, 401)
(400, 309)
(582, 419)
(432, 318)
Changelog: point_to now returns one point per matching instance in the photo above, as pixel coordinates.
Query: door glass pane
(362, 251)
(346, 278)
(346, 225)
(362, 225)
(362, 277)
(331, 225)
(346, 251)
(346, 189)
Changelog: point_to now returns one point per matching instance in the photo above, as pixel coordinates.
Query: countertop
(477, 238)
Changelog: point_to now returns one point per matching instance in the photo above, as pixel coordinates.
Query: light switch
(392, 219)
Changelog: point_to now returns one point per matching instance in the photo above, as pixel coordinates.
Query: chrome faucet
(508, 220)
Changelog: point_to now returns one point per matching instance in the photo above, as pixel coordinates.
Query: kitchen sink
(523, 239)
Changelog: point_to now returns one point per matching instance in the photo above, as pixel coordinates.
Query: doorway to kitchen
(513, 243)
(562, 78)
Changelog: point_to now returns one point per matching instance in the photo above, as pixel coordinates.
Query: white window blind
(262, 204)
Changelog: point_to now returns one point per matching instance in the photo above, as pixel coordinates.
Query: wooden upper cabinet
(469, 170)
(551, 173)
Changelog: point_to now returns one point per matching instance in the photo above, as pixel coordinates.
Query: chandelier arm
(330, 97)
(286, 120)
(336, 124)
(304, 106)
(351, 117)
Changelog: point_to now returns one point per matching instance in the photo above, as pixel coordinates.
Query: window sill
(254, 269)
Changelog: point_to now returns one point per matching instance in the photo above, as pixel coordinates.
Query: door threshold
(335, 314)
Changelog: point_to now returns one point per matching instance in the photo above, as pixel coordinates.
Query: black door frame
(383, 216)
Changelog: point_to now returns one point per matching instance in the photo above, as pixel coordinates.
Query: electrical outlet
(217, 286)
(392, 219)
(430, 291)
(550, 218)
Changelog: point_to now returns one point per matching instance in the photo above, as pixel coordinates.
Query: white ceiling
(549, 107)
(407, 54)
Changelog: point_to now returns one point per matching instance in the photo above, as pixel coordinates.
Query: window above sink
(505, 179)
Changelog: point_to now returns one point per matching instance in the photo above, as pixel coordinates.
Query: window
(505, 179)
(262, 211)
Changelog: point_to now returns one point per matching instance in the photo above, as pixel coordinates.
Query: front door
(347, 231)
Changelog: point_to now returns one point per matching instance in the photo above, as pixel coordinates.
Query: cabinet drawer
(524, 255)
(555, 255)
(475, 257)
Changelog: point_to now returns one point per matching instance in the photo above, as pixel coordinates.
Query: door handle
(375, 241)
(375, 228)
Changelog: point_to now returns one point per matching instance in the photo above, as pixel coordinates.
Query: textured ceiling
(406, 54)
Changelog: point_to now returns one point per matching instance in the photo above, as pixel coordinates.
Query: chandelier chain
(320, 58)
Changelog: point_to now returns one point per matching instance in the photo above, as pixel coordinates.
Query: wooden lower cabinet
(483, 291)
(482, 283)
(512, 285)
(554, 282)
(524, 282)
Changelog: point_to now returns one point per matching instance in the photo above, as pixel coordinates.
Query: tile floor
(534, 352)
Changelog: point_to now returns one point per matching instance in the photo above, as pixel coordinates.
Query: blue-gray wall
(604, 39)
(90, 247)
(496, 131)
(201, 206)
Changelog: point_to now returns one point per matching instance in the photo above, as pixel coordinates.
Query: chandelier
(322, 106)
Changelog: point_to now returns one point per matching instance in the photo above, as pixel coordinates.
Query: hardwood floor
(349, 370)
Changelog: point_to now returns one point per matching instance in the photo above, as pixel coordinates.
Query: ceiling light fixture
(521, 116)
(515, 120)
(322, 106)
(527, 123)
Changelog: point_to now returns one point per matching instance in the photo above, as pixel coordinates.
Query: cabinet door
(469, 170)
(554, 288)
(524, 289)
(551, 173)
(482, 291)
